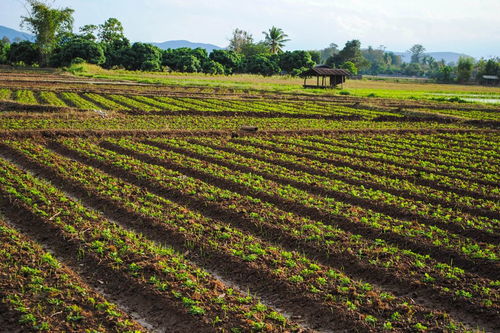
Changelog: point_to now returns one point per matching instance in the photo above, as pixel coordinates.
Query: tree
(239, 40)
(351, 52)
(315, 56)
(350, 66)
(110, 31)
(464, 69)
(230, 60)
(444, 74)
(25, 52)
(78, 47)
(144, 57)
(275, 39)
(328, 52)
(213, 67)
(185, 59)
(89, 32)
(417, 52)
(492, 67)
(4, 50)
(49, 25)
(376, 60)
(288, 61)
(261, 64)
(249, 50)
(117, 53)
(413, 69)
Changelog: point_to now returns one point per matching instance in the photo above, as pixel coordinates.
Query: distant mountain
(13, 35)
(175, 44)
(447, 56)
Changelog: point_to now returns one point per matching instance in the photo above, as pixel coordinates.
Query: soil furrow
(399, 192)
(372, 150)
(279, 293)
(374, 171)
(414, 167)
(238, 273)
(156, 309)
(480, 267)
(152, 229)
(396, 212)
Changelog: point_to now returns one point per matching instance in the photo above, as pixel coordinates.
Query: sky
(465, 26)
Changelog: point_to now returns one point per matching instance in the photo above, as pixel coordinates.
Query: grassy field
(391, 88)
(127, 206)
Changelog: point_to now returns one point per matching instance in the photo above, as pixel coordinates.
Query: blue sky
(467, 26)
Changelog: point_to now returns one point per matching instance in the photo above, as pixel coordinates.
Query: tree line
(56, 45)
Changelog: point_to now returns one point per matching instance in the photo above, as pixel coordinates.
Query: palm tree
(275, 39)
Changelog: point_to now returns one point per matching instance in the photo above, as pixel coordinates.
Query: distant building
(490, 80)
(330, 78)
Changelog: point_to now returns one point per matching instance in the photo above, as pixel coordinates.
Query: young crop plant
(25, 96)
(140, 260)
(44, 295)
(73, 99)
(119, 161)
(49, 97)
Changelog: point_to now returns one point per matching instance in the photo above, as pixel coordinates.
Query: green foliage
(275, 39)
(25, 52)
(213, 67)
(261, 64)
(111, 31)
(185, 59)
(413, 69)
(444, 74)
(290, 61)
(464, 69)
(49, 26)
(417, 53)
(230, 60)
(143, 56)
(4, 50)
(239, 40)
(315, 56)
(117, 53)
(351, 52)
(78, 47)
(350, 66)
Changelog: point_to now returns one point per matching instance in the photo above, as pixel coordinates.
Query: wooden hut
(326, 77)
(491, 80)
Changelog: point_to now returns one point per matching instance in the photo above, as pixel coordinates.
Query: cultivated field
(131, 207)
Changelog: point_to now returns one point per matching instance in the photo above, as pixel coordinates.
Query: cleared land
(129, 207)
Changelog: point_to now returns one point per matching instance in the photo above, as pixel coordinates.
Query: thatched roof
(325, 71)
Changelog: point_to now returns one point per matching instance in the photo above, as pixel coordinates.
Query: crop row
(361, 150)
(349, 184)
(331, 206)
(149, 104)
(311, 279)
(350, 172)
(314, 231)
(473, 143)
(188, 289)
(44, 295)
(396, 145)
(326, 153)
(152, 176)
(456, 162)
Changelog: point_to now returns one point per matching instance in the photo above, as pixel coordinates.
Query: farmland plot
(123, 210)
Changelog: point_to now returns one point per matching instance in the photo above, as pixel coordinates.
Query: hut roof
(324, 71)
(490, 77)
